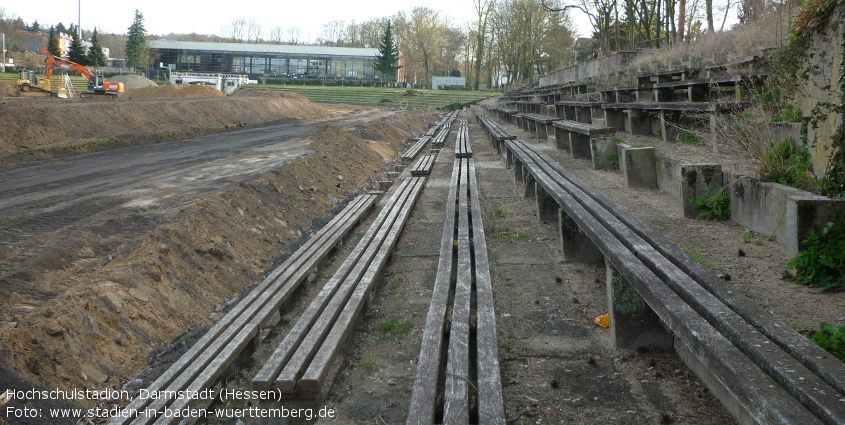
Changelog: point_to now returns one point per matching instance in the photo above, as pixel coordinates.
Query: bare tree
(483, 8)
(332, 32)
(235, 31)
(277, 35)
(253, 31)
(293, 35)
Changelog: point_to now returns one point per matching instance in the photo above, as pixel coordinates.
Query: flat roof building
(275, 60)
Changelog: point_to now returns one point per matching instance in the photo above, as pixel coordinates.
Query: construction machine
(28, 84)
(96, 85)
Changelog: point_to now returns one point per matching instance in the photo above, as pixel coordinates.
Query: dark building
(271, 60)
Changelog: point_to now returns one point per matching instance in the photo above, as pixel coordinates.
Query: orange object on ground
(603, 320)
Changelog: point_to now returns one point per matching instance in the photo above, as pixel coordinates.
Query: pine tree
(136, 43)
(388, 55)
(60, 28)
(96, 57)
(53, 44)
(75, 51)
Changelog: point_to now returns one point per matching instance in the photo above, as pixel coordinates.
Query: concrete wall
(759, 206)
(826, 53)
(669, 176)
(606, 65)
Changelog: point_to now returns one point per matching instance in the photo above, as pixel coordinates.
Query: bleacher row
(669, 99)
(303, 364)
(762, 371)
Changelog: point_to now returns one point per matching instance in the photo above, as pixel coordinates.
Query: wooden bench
(464, 261)
(635, 117)
(415, 149)
(206, 361)
(761, 370)
(302, 365)
(586, 141)
(462, 146)
(507, 115)
(496, 133)
(536, 123)
(424, 165)
(580, 111)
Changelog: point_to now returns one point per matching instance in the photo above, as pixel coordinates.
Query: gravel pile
(131, 81)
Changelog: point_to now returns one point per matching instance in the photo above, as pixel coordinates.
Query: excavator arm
(57, 62)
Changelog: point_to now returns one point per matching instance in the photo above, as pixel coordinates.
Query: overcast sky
(210, 17)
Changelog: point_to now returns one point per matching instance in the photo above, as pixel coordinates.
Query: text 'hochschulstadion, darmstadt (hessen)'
(204, 397)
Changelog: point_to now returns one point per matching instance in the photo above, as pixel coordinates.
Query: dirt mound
(172, 91)
(34, 123)
(132, 82)
(112, 317)
(257, 92)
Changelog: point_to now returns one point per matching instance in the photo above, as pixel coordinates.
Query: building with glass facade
(270, 60)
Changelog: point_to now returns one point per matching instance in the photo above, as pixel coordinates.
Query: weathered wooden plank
(811, 390)
(316, 375)
(764, 401)
(583, 128)
(423, 167)
(212, 372)
(489, 381)
(456, 397)
(319, 245)
(266, 376)
(313, 340)
(421, 410)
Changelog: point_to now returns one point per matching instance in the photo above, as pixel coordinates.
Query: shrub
(788, 164)
(716, 207)
(822, 262)
(832, 339)
(690, 139)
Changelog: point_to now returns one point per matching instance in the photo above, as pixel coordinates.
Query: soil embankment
(89, 305)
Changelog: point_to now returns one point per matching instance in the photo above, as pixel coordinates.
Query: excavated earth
(109, 303)
(126, 286)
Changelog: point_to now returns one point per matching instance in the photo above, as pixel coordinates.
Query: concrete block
(600, 149)
(806, 212)
(547, 207)
(529, 185)
(541, 130)
(615, 118)
(384, 185)
(562, 139)
(759, 206)
(638, 166)
(633, 324)
(582, 114)
(576, 246)
(638, 122)
(698, 181)
(668, 176)
(579, 145)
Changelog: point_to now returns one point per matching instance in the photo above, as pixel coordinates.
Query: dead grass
(745, 40)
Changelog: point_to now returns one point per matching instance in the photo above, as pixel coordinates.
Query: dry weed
(746, 40)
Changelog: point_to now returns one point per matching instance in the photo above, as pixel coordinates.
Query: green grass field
(368, 96)
(380, 96)
(79, 83)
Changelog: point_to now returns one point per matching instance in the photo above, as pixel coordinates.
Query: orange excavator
(96, 85)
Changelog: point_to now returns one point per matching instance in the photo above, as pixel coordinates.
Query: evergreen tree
(60, 28)
(75, 51)
(53, 44)
(137, 50)
(96, 57)
(388, 55)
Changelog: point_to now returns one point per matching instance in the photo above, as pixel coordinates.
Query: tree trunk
(682, 16)
(708, 4)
